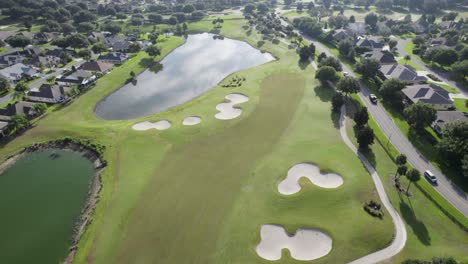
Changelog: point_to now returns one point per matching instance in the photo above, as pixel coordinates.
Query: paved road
(400, 236)
(448, 190)
(442, 75)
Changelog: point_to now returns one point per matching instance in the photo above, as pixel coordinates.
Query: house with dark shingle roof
(341, 34)
(370, 42)
(429, 94)
(402, 72)
(49, 93)
(19, 108)
(446, 117)
(79, 77)
(114, 58)
(383, 57)
(96, 66)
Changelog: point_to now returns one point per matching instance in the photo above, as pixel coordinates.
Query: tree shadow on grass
(324, 92)
(303, 64)
(418, 227)
(369, 154)
(146, 62)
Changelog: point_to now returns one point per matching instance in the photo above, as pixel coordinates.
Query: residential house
(57, 52)
(4, 35)
(49, 93)
(430, 94)
(80, 78)
(448, 25)
(383, 57)
(20, 56)
(436, 42)
(19, 108)
(370, 42)
(341, 34)
(402, 72)
(447, 117)
(97, 66)
(16, 72)
(117, 43)
(421, 26)
(116, 58)
(99, 36)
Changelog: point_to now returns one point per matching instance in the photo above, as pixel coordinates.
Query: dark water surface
(41, 196)
(188, 71)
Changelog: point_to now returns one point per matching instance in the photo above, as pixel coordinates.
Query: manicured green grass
(460, 104)
(448, 88)
(294, 14)
(410, 63)
(430, 232)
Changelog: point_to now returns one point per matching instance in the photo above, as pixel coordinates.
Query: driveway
(448, 190)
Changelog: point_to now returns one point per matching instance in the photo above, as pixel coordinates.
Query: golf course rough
(305, 244)
(290, 185)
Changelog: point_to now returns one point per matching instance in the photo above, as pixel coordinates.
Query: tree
(337, 102)
(326, 3)
(345, 47)
(348, 85)
(85, 54)
(61, 43)
(400, 161)
(321, 56)
(445, 56)
(98, 47)
(392, 44)
(18, 122)
(20, 90)
(407, 58)
(371, 19)
(460, 69)
(156, 18)
(465, 165)
(454, 143)
(390, 91)
(299, 7)
(420, 115)
(19, 41)
(361, 117)
(326, 73)
(77, 41)
(188, 8)
(332, 62)
(352, 19)
(4, 85)
(84, 16)
(262, 8)
(249, 8)
(153, 51)
(413, 176)
(368, 67)
(85, 27)
(401, 171)
(365, 137)
(112, 27)
(39, 108)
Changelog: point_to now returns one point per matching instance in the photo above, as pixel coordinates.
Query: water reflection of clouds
(189, 71)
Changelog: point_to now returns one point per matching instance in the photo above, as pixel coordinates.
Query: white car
(345, 74)
(373, 98)
(430, 177)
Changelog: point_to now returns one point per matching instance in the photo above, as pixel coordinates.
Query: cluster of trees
(436, 260)
(364, 134)
(307, 52)
(454, 145)
(309, 26)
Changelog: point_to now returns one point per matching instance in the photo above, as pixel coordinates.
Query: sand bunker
(290, 185)
(191, 121)
(306, 244)
(227, 110)
(160, 125)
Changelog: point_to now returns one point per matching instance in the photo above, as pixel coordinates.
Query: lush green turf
(199, 194)
(430, 232)
(410, 63)
(460, 104)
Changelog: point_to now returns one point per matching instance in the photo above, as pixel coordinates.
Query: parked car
(345, 74)
(373, 98)
(430, 177)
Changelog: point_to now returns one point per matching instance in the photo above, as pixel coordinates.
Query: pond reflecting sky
(188, 71)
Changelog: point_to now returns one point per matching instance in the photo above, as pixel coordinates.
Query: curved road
(445, 187)
(399, 240)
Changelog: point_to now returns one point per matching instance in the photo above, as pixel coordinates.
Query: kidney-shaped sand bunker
(305, 244)
(290, 185)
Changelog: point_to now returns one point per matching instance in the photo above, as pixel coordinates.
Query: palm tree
(20, 91)
(18, 122)
(400, 160)
(413, 175)
(407, 58)
(39, 108)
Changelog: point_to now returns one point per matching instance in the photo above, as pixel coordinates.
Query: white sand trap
(191, 121)
(306, 244)
(290, 185)
(227, 110)
(160, 125)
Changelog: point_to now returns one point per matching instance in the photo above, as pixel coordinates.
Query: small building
(383, 57)
(97, 66)
(49, 93)
(370, 42)
(17, 72)
(403, 72)
(436, 42)
(431, 94)
(80, 78)
(19, 108)
(447, 117)
(116, 58)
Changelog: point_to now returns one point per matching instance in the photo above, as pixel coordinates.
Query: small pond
(187, 72)
(41, 196)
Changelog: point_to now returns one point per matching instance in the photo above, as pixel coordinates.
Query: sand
(191, 121)
(227, 110)
(160, 125)
(290, 185)
(305, 244)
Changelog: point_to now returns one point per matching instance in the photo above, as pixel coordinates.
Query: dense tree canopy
(348, 85)
(420, 115)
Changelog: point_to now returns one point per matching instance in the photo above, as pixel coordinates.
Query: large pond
(187, 72)
(40, 199)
